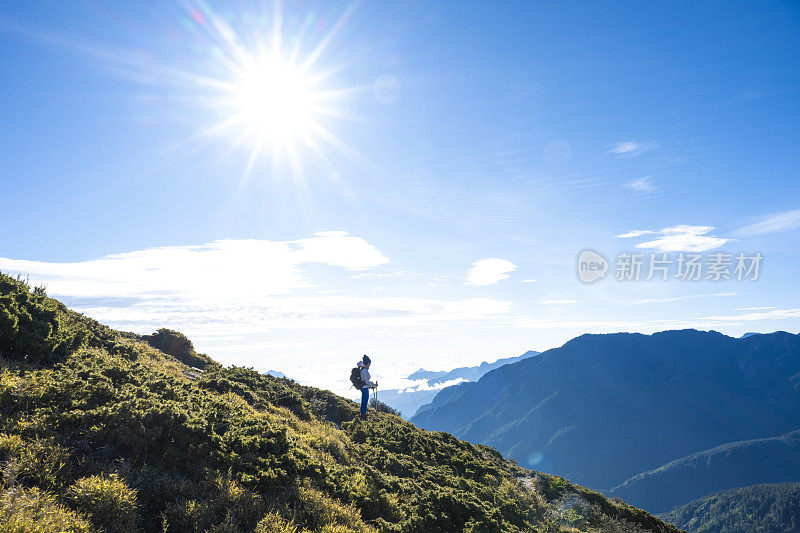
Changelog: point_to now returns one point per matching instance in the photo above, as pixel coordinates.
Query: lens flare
(535, 457)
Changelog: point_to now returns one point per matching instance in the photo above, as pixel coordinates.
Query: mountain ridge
(730, 465)
(573, 410)
(470, 373)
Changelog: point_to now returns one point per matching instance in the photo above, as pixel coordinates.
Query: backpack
(355, 378)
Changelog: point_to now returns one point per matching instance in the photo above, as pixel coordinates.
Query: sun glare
(267, 89)
(274, 102)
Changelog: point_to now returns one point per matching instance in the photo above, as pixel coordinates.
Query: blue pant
(364, 400)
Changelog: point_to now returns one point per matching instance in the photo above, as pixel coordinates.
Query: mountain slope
(603, 408)
(102, 431)
(769, 508)
(446, 396)
(736, 464)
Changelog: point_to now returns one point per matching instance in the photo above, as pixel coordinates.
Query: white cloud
(624, 147)
(773, 223)
(218, 271)
(558, 302)
(644, 184)
(337, 248)
(634, 233)
(684, 238)
(629, 148)
(527, 281)
(489, 271)
(423, 385)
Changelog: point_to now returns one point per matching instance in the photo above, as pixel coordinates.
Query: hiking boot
(363, 417)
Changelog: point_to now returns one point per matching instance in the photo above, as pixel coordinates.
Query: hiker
(366, 384)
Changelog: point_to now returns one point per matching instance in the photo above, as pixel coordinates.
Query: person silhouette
(367, 384)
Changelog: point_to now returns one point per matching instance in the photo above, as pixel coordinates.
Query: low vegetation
(766, 508)
(108, 431)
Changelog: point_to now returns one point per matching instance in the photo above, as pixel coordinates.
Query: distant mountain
(604, 408)
(749, 334)
(409, 400)
(467, 373)
(276, 373)
(770, 508)
(736, 464)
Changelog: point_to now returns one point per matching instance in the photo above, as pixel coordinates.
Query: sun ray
(314, 56)
(254, 153)
(273, 99)
(259, 82)
(277, 29)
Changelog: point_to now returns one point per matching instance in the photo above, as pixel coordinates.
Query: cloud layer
(241, 287)
(218, 271)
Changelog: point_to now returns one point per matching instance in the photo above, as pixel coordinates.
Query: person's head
(366, 360)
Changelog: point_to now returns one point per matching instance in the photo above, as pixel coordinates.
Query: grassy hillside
(735, 464)
(770, 508)
(104, 431)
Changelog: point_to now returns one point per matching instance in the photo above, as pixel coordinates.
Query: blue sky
(519, 133)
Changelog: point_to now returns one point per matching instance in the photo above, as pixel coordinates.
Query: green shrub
(553, 486)
(30, 326)
(335, 528)
(39, 462)
(10, 446)
(321, 510)
(109, 501)
(178, 346)
(184, 515)
(274, 523)
(239, 507)
(33, 511)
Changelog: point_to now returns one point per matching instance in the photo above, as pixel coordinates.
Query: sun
(274, 102)
(266, 88)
